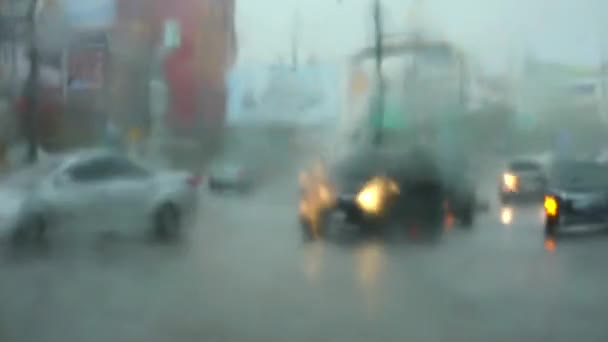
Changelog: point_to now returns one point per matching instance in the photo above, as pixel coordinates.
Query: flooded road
(244, 274)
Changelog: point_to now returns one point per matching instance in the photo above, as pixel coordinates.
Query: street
(244, 274)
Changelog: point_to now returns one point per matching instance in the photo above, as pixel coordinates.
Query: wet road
(244, 275)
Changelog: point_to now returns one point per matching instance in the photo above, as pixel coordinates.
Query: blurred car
(100, 188)
(372, 189)
(602, 156)
(522, 179)
(459, 188)
(577, 194)
(230, 177)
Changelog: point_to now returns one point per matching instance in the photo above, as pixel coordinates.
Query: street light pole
(295, 40)
(31, 86)
(379, 50)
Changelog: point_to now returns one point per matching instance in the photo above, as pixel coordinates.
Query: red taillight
(195, 180)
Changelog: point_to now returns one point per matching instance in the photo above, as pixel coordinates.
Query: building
(99, 58)
(545, 90)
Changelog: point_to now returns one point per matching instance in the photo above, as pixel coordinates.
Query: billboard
(308, 95)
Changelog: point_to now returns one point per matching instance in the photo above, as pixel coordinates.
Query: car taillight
(195, 180)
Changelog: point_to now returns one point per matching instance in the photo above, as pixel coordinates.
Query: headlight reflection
(506, 215)
(313, 262)
(550, 245)
(370, 266)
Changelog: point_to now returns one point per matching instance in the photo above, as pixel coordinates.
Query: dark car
(522, 179)
(577, 194)
(230, 177)
(373, 189)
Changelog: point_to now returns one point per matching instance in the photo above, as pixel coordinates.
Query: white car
(97, 189)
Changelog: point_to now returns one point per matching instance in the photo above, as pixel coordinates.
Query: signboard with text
(281, 95)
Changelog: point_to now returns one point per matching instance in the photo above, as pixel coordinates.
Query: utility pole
(462, 81)
(379, 49)
(295, 37)
(13, 48)
(31, 86)
(602, 103)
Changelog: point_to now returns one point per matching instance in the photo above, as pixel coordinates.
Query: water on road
(245, 275)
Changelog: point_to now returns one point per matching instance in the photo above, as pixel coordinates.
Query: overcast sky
(494, 30)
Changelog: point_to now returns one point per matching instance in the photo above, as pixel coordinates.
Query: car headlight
(510, 181)
(371, 198)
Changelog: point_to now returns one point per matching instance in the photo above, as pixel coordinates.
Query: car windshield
(525, 166)
(358, 165)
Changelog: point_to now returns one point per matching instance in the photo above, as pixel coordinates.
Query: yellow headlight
(510, 181)
(370, 198)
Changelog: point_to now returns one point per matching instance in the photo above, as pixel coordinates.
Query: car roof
(84, 155)
(524, 162)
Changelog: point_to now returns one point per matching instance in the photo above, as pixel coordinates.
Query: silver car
(96, 190)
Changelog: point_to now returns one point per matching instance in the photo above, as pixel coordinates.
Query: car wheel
(433, 223)
(467, 217)
(435, 230)
(306, 229)
(551, 227)
(216, 186)
(32, 228)
(167, 223)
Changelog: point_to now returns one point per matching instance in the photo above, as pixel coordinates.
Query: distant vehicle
(101, 188)
(577, 194)
(522, 179)
(372, 189)
(602, 156)
(230, 177)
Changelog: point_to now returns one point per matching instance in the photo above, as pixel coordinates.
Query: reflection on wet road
(506, 215)
(245, 275)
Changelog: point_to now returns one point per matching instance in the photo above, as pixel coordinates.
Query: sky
(494, 32)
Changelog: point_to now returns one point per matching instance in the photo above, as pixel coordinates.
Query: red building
(87, 90)
(194, 71)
